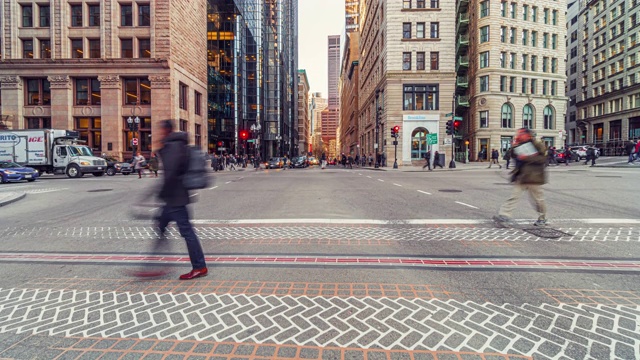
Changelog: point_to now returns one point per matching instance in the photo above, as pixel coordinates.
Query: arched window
(507, 116)
(419, 143)
(527, 117)
(549, 121)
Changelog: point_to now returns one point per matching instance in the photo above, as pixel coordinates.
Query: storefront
(414, 139)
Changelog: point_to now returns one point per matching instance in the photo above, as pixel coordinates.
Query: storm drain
(99, 190)
(450, 191)
(545, 232)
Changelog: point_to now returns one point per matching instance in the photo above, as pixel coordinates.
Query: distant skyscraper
(352, 15)
(330, 118)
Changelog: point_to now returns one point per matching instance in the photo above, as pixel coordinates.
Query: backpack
(196, 176)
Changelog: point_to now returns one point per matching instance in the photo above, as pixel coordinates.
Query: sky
(317, 20)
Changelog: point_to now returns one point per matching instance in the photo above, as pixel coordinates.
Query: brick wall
(188, 36)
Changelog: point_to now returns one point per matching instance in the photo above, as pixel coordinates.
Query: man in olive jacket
(529, 175)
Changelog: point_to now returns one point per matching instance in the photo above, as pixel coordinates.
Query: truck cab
(76, 159)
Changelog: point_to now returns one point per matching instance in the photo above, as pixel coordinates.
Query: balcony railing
(463, 62)
(463, 41)
(463, 100)
(463, 22)
(462, 81)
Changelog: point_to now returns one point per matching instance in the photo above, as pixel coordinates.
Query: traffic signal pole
(452, 163)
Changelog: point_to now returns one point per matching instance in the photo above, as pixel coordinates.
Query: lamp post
(134, 124)
(278, 139)
(255, 131)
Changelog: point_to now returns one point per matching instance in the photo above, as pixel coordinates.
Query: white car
(582, 151)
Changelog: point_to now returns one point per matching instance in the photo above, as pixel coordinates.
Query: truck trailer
(50, 151)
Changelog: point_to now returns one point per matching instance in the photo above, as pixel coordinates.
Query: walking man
(630, 148)
(436, 161)
(495, 156)
(427, 158)
(323, 160)
(507, 157)
(568, 155)
(591, 155)
(528, 175)
(175, 158)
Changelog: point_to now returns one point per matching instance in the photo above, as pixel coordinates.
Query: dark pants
(593, 160)
(180, 215)
(508, 163)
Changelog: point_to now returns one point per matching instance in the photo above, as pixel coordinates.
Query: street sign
(457, 118)
(449, 114)
(134, 141)
(251, 140)
(432, 139)
(447, 141)
(375, 146)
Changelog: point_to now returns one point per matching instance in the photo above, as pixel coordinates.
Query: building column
(624, 129)
(61, 102)
(161, 109)
(111, 112)
(12, 101)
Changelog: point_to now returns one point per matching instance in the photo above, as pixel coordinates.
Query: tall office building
(90, 65)
(407, 74)
(256, 83)
(318, 105)
(349, 94)
(604, 67)
(331, 116)
(303, 118)
(510, 72)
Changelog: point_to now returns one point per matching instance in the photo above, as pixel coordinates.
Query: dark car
(10, 171)
(117, 167)
(275, 163)
(299, 162)
(560, 157)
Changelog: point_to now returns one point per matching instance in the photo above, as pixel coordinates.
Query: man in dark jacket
(175, 159)
(630, 148)
(528, 175)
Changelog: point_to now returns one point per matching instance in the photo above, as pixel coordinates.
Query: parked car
(582, 151)
(313, 161)
(560, 157)
(117, 167)
(299, 162)
(10, 171)
(275, 163)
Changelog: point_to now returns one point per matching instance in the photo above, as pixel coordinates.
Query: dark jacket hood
(177, 137)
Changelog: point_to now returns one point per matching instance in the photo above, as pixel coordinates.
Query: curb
(11, 200)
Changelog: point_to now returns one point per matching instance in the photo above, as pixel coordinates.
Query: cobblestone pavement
(547, 331)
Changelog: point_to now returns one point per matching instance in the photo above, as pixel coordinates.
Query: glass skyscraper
(253, 66)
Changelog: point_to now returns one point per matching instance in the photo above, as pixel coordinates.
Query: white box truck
(50, 151)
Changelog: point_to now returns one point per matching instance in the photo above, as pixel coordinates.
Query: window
(554, 17)
(525, 12)
(420, 4)
(184, 125)
(87, 92)
(545, 40)
(45, 16)
(420, 30)
(503, 34)
(507, 116)
(94, 15)
(406, 61)
(484, 8)
(27, 49)
(527, 117)
(548, 118)
(420, 97)
(512, 61)
(484, 83)
(534, 85)
(435, 4)
(512, 84)
(137, 91)
(572, 84)
(484, 119)
(143, 134)
(512, 35)
(534, 14)
(512, 10)
(554, 65)
(27, 16)
(534, 38)
(554, 88)
(126, 48)
(545, 64)
(435, 61)
(525, 85)
(545, 16)
(198, 103)
(534, 63)
(484, 34)
(38, 92)
(144, 15)
(76, 15)
(126, 15)
(77, 51)
(184, 96)
(45, 49)
(503, 9)
(484, 59)
(94, 48)
(38, 123)
(545, 87)
(525, 37)
(90, 130)
(406, 4)
(525, 61)
(420, 61)
(503, 83)
(406, 30)
(198, 135)
(144, 48)
(435, 30)
(554, 41)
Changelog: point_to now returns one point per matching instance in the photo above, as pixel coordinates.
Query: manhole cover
(99, 190)
(608, 176)
(547, 233)
(450, 191)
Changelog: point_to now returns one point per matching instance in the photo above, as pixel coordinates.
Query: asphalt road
(335, 263)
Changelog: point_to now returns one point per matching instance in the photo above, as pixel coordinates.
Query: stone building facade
(349, 86)
(304, 118)
(89, 66)
(604, 74)
(407, 75)
(510, 72)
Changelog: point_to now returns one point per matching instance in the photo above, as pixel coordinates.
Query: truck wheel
(98, 174)
(111, 171)
(73, 171)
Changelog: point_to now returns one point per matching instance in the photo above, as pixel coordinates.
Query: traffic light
(396, 130)
(220, 144)
(393, 131)
(456, 127)
(244, 134)
(450, 127)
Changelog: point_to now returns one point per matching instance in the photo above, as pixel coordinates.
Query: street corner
(11, 197)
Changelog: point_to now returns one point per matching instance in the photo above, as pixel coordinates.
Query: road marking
(360, 174)
(404, 221)
(471, 206)
(154, 209)
(228, 182)
(369, 177)
(397, 185)
(424, 192)
(196, 194)
(381, 180)
(213, 188)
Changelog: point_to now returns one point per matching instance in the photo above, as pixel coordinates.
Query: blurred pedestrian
(323, 160)
(507, 157)
(139, 162)
(568, 156)
(495, 158)
(153, 164)
(591, 155)
(427, 162)
(436, 161)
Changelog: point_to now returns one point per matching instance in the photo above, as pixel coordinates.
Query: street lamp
(278, 138)
(255, 130)
(134, 124)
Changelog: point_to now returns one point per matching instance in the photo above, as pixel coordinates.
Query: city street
(326, 264)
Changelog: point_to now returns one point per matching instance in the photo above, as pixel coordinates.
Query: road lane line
(424, 192)
(213, 188)
(381, 180)
(405, 221)
(360, 174)
(397, 185)
(228, 182)
(154, 209)
(369, 177)
(461, 203)
(196, 194)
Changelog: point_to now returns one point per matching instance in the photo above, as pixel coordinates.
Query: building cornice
(609, 96)
(16, 64)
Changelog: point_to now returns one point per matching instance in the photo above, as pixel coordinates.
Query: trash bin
(442, 159)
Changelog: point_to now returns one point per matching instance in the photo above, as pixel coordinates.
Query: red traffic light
(456, 124)
(396, 129)
(220, 143)
(244, 135)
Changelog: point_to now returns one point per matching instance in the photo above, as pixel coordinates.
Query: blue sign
(9, 140)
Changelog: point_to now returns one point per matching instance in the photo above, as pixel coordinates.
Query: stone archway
(419, 143)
